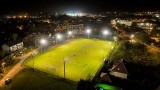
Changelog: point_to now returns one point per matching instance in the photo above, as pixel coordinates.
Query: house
(104, 77)
(118, 69)
(12, 46)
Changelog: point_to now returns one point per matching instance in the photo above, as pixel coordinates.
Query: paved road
(154, 48)
(16, 68)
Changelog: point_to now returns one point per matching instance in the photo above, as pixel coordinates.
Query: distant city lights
(73, 14)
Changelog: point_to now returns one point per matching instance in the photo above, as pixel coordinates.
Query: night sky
(81, 5)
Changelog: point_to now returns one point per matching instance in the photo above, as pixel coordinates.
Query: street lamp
(43, 42)
(105, 33)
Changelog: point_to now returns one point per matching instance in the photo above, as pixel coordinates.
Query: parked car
(8, 81)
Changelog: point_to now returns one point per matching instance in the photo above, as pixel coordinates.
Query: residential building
(12, 46)
(104, 77)
(118, 69)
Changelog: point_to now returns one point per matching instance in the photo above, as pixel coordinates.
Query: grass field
(83, 57)
(28, 79)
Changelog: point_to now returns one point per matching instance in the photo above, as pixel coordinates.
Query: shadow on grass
(29, 79)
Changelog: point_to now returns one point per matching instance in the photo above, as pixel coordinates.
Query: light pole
(69, 34)
(105, 33)
(43, 41)
(64, 62)
(88, 31)
(58, 36)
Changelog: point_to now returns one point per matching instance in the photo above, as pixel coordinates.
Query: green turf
(34, 80)
(83, 59)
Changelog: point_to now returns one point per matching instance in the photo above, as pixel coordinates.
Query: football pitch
(80, 58)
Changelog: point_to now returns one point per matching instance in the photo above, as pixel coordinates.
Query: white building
(12, 46)
(72, 26)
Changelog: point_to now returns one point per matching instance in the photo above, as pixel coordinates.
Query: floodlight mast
(88, 31)
(42, 42)
(58, 36)
(105, 33)
(64, 62)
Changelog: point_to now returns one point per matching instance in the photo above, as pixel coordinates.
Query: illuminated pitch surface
(83, 57)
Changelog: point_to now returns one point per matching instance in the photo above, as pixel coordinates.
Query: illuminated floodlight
(88, 31)
(43, 41)
(69, 33)
(105, 32)
(59, 36)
